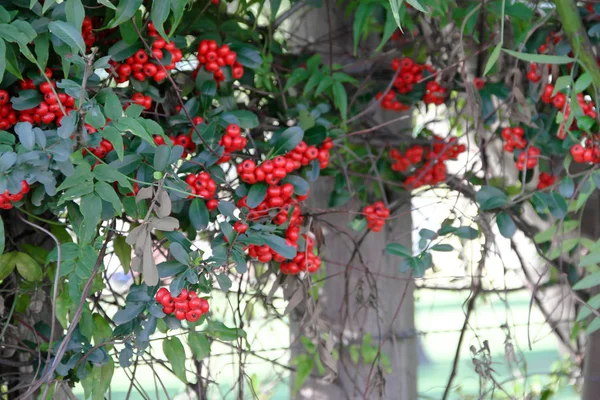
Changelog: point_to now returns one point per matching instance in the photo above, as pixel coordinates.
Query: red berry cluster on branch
(232, 141)
(186, 306)
(425, 165)
(555, 37)
(7, 198)
(376, 215)
(513, 138)
(102, 150)
(409, 74)
(545, 180)
(435, 94)
(588, 154)
(202, 185)
(272, 171)
(86, 32)
(8, 116)
(533, 74)
(139, 65)
(214, 58)
(389, 101)
(529, 158)
(141, 100)
(48, 110)
(303, 261)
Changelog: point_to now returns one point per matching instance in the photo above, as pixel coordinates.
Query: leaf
(108, 194)
(301, 187)
(123, 252)
(199, 345)
(27, 99)
(493, 58)
(589, 281)
(161, 157)
(340, 99)
(75, 13)
(279, 245)
(112, 106)
(24, 131)
(124, 12)
(2, 237)
(506, 225)
(112, 134)
(245, 119)
(179, 253)
(583, 82)
(304, 367)
(122, 50)
(7, 264)
(159, 14)
(2, 58)
(299, 75)
(102, 376)
(288, 140)
(567, 187)
(223, 281)
(175, 353)
(128, 313)
(218, 330)
(361, 15)
(540, 58)
(397, 249)
(442, 247)
(198, 214)
(256, 194)
(490, 197)
(28, 268)
(68, 34)
(395, 5)
(132, 125)
(107, 173)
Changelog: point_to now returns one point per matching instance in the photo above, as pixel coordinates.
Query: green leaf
(107, 193)
(27, 99)
(582, 83)
(112, 106)
(106, 173)
(113, 135)
(28, 268)
(567, 187)
(2, 59)
(102, 376)
(68, 34)
(199, 345)
(159, 14)
(304, 367)
(161, 157)
(279, 245)
(223, 281)
(246, 119)
(466, 232)
(416, 5)
(493, 58)
(490, 197)
(301, 187)
(288, 140)
(585, 311)
(132, 125)
(198, 214)
(123, 252)
(397, 249)
(506, 225)
(7, 264)
(124, 12)
(395, 5)
(299, 75)
(540, 58)
(256, 194)
(95, 118)
(179, 253)
(361, 15)
(42, 47)
(218, 330)
(592, 258)
(175, 353)
(340, 99)
(75, 13)
(589, 281)
(561, 83)
(388, 29)
(442, 247)
(24, 131)
(122, 50)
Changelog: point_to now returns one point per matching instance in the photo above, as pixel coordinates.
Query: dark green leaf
(159, 14)
(125, 11)
(198, 214)
(490, 197)
(506, 225)
(256, 194)
(161, 157)
(288, 140)
(397, 249)
(175, 353)
(68, 34)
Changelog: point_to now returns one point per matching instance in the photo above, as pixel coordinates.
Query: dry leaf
(144, 194)
(164, 204)
(294, 301)
(136, 264)
(164, 224)
(133, 235)
(150, 272)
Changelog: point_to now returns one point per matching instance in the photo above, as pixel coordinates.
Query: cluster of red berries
(533, 74)
(139, 65)
(102, 150)
(86, 32)
(424, 165)
(48, 110)
(560, 102)
(272, 171)
(555, 37)
(588, 154)
(144, 101)
(434, 94)
(214, 58)
(182, 139)
(545, 180)
(232, 141)
(8, 116)
(6, 198)
(389, 101)
(513, 138)
(278, 198)
(186, 306)
(528, 159)
(409, 74)
(303, 261)
(376, 215)
(202, 185)
(479, 83)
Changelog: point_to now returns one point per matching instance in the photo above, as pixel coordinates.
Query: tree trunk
(364, 292)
